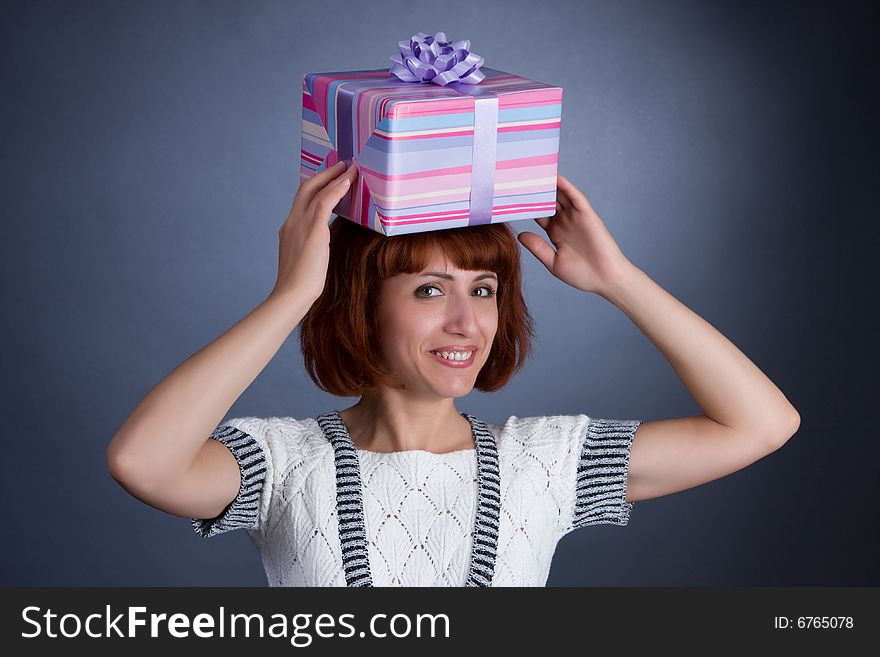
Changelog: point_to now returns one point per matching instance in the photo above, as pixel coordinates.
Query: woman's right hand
(304, 237)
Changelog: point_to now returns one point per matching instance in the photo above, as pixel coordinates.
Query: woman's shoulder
(537, 436)
(286, 444)
(536, 429)
(287, 432)
(254, 424)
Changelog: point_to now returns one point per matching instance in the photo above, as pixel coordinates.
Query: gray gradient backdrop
(150, 154)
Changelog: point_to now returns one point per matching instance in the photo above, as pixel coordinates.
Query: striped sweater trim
(603, 469)
(349, 500)
(485, 543)
(244, 510)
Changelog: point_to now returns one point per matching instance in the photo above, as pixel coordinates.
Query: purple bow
(433, 59)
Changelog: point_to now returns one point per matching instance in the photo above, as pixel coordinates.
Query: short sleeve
(596, 476)
(247, 439)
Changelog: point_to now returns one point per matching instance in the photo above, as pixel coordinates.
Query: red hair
(337, 335)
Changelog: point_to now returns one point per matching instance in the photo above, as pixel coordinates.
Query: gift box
(461, 145)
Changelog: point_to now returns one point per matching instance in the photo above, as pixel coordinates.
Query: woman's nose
(462, 314)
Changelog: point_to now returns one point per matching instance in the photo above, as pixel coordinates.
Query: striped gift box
(421, 163)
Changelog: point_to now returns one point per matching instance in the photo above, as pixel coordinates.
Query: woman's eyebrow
(449, 277)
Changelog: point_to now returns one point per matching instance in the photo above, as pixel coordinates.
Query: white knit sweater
(324, 513)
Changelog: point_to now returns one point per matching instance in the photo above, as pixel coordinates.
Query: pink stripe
(544, 207)
(516, 163)
(547, 97)
(526, 128)
(515, 207)
(418, 184)
(396, 203)
(307, 102)
(458, 177)
(392, 202)
(549, 125)
(434, 218)
(311, 157)
(430, 135)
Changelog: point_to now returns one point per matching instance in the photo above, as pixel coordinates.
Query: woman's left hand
(586, 256)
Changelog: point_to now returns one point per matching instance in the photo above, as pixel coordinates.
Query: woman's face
(420, 313)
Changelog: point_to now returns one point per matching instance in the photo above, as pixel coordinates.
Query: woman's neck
(375, 428)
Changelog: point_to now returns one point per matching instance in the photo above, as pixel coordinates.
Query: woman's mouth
(449, 362)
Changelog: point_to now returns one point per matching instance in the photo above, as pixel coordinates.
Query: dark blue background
(151, 152)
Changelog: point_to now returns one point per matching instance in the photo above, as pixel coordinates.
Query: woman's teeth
(454, 355)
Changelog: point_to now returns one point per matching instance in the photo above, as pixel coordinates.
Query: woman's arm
(159, 442)
(164, 444)
(745, 416)
(729, 388)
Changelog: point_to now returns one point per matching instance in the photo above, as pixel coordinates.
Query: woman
(401, 488)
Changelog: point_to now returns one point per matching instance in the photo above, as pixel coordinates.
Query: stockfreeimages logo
(300, 629)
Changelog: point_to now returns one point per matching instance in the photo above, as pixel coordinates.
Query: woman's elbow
(787, 431)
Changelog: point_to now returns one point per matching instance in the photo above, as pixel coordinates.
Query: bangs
(465, 248)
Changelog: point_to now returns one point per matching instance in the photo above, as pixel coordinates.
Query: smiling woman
(401, 489)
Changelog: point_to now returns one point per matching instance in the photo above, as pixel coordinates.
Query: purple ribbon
(433, 59)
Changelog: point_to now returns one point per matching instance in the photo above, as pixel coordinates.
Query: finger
(562, 200)
(311, 186)
(328, 198)
(567, 191)
(347, 179)
(575, 196)
(539, 248)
